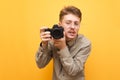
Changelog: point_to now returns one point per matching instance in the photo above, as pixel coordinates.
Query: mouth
(71, 32)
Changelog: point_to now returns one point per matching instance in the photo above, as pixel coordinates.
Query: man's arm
(74, 65)
(43, 56)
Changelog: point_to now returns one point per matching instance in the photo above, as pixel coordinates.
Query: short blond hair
(70, 10)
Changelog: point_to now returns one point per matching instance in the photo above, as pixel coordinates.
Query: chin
(70, 37)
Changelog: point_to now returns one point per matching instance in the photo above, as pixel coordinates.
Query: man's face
(71, 25)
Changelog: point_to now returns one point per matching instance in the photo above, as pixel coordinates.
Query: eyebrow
(71, 20)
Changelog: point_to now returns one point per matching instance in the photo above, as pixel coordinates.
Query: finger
(46, 36)
(45, 40)
(56, 40)
(45, 33)
(42, 29)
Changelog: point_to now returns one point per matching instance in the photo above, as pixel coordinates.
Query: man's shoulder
(83, 40)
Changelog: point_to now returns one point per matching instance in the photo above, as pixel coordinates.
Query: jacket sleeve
(74, 65)
(43, 56)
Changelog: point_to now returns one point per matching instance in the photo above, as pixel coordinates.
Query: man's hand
(60, 43)
(45, 36)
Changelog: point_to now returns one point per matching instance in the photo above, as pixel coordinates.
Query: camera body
(56, 32)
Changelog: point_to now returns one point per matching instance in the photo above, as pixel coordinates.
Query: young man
(70, 52)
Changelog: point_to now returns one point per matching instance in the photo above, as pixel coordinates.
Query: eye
(76, 23)
(68, 22)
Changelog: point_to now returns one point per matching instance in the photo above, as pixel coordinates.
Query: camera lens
(57, 33)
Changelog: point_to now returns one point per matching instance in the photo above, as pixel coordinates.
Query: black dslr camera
(56, 32)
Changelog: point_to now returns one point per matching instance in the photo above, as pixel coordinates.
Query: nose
(72, 26)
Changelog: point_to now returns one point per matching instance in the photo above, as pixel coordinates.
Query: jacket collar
(72, 42)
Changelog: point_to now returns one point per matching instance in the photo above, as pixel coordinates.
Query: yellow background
(20, 21)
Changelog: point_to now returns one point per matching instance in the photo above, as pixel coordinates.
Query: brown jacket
(68, 62)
